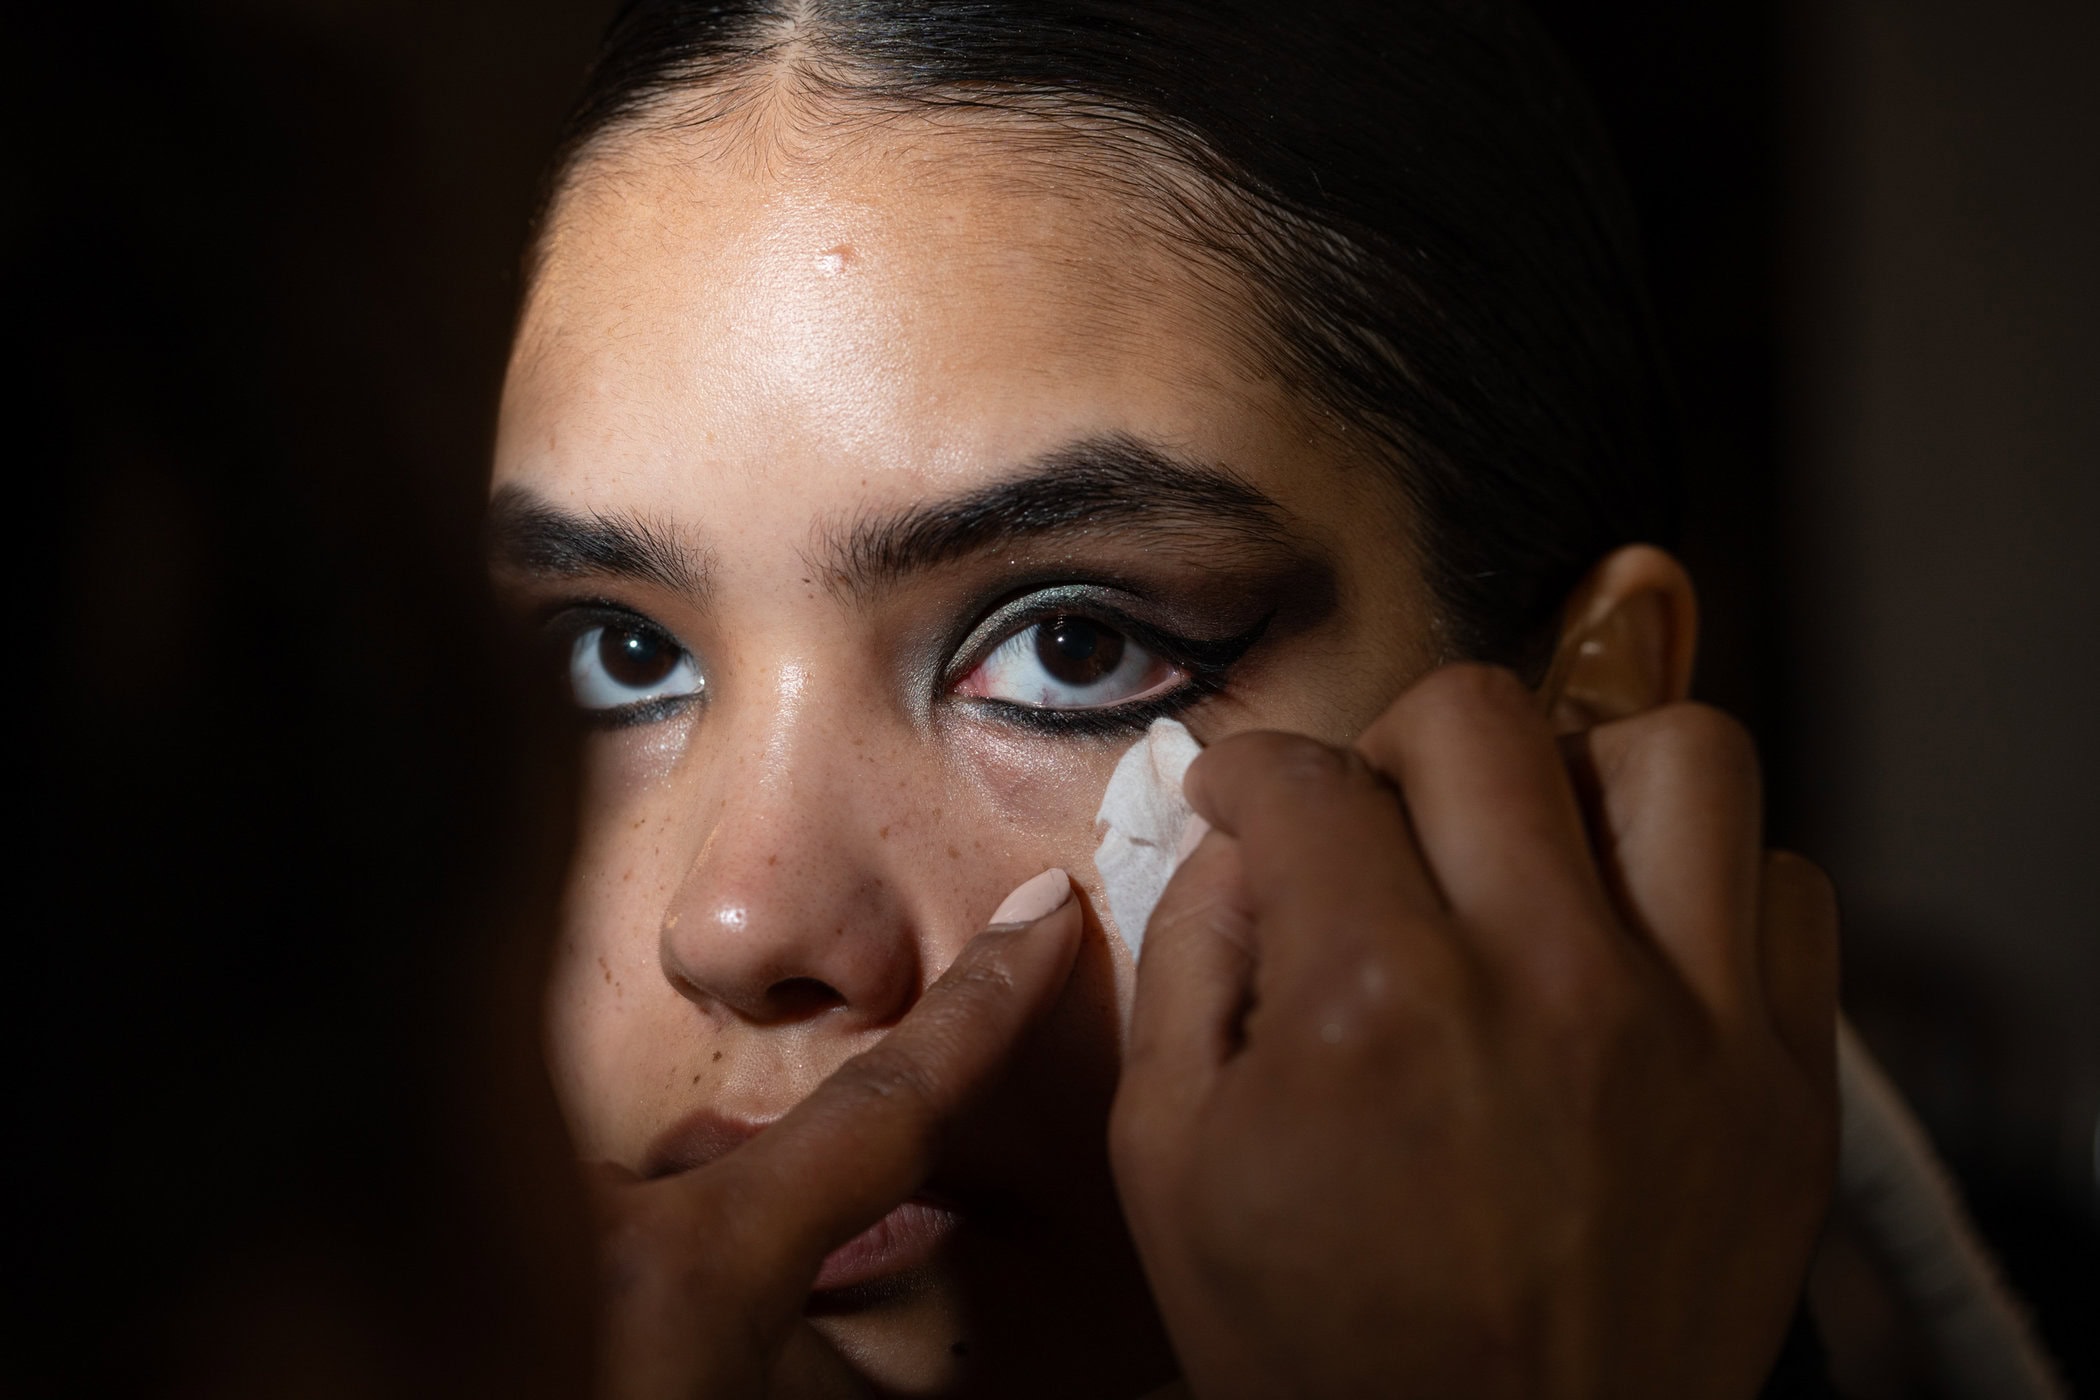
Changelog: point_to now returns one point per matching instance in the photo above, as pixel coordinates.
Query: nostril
(801, 999)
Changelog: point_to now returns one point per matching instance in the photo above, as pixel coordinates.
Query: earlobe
(1628, 638)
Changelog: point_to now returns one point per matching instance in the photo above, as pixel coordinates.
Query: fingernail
(1044, 894)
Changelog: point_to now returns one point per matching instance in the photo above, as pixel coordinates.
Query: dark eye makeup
(1093, 617)
(619, 646)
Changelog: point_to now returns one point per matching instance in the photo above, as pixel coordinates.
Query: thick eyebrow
(531, 536)
(1114, 484)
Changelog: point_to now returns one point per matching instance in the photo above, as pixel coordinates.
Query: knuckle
(1307, 763)
(1715, 738)
(982, 973)
(1266, 768)
(1471, 686)
(1383, 1012)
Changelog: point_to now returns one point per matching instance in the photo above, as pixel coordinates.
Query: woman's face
(880, 492)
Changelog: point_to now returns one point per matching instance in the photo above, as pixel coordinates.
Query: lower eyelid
(641, 713)
(1101, 721)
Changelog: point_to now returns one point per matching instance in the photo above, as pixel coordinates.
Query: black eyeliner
(1208, 662)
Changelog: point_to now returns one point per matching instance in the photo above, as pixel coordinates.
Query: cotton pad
(1145, 824)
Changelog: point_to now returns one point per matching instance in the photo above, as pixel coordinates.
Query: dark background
(290, 229)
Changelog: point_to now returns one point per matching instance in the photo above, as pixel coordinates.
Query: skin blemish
(718, 1056)
(883, 834)
(833, 261)
(954, 854)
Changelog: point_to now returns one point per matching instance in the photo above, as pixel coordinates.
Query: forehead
(902, 310)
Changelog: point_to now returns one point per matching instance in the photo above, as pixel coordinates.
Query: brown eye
(1069, 661)
(1076, 651)
(615, 665)
(632, 657)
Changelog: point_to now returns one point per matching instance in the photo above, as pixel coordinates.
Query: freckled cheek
(1042, 794)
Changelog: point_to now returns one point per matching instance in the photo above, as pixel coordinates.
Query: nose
(794, 907)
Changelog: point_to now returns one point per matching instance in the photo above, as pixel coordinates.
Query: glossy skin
(754, 355)
(1514, 1071)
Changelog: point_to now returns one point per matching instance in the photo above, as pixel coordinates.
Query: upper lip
(697, 1139)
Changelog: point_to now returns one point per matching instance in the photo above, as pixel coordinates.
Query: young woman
(911, 403)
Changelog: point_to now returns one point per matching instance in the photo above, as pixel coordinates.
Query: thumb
(1193, 984)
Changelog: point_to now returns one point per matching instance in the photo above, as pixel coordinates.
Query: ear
(1628, 638)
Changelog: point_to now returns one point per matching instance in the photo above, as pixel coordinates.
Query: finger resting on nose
(1799, 954)
(1677, 806)
(1194, 978)
(866, 1138)
(1495, 815)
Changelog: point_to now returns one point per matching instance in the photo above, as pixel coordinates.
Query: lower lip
(904, 1239)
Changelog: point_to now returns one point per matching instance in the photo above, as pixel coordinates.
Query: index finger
(866, 1139)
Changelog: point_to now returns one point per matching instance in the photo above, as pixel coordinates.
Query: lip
(905, 1239)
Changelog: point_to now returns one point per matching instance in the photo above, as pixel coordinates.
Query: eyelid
(563, 621)
(1090, 601)
(569, 616)
(1205, 661)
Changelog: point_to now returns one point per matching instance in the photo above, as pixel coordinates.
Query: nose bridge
(790, 907)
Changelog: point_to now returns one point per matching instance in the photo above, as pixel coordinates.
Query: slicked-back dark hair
(1415, 195)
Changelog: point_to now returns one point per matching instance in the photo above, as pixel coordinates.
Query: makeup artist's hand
(707, 1271)
(1469, 1063)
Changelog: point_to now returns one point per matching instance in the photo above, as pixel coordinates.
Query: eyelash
(565, 622)
(1208, 663)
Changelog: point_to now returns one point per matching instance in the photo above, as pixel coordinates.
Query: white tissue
(1145, 825)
